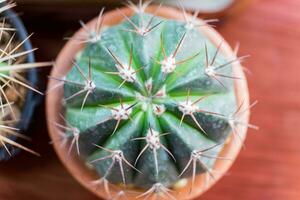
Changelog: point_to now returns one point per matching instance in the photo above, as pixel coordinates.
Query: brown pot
(77, 167)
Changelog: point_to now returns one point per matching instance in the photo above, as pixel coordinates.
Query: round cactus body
(150, 101)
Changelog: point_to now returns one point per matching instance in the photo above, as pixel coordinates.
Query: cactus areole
(149, 103)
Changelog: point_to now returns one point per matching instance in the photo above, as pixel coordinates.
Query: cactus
(13, 83)
(149, 101)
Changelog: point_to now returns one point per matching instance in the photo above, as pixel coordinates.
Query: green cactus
(149, 101)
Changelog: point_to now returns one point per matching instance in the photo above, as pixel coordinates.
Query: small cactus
(149, 101)
(14, 85)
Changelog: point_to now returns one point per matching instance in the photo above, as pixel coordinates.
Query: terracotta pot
(77, 167)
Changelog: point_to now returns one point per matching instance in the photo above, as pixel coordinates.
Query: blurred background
(267, 168)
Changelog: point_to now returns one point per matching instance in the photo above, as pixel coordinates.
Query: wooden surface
(268, 166)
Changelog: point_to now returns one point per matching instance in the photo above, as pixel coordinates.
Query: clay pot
(78, 168)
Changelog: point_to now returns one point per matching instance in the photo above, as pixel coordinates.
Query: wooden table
(268, 166)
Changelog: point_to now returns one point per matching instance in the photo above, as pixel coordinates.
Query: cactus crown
(149, 101)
